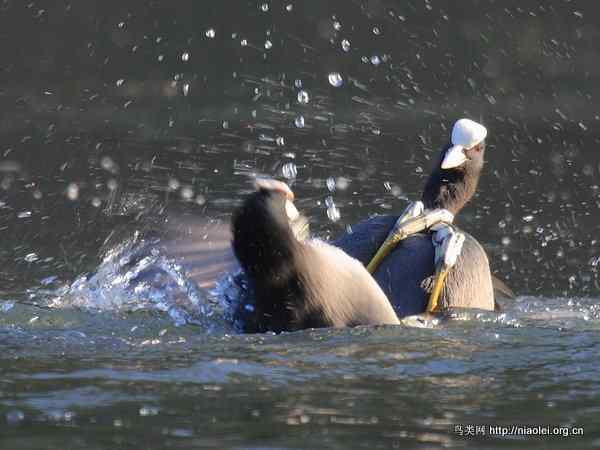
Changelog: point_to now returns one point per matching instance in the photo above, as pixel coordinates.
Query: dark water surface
(122, 121)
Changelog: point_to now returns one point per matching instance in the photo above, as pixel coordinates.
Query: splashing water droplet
(6, 306)
(264, 7)
(337, 26)
(335, 79)
(376, 31)
(185, 56)
(303, 97)
(280, 141)
(243, 42)
(186, 89)
(120, 82)
(346, 45)
(187, 192)
(31, 257)
(72, 191)
(342, 183)
(210, 33)
(331, 184)
(289, 170)
(333, 213)
(268, 44)
(200, 199)
(112, 184)
(174, 184)
(299, 122)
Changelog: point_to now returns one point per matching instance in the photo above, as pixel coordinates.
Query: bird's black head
(262, 238)
(453, 180)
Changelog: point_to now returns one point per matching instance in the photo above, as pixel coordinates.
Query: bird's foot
(406, 226)
(448, 245)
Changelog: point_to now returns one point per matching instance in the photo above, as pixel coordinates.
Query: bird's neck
(262, 239)
(449, 189)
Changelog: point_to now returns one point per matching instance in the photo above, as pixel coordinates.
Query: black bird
(405, 273)
(296, 284)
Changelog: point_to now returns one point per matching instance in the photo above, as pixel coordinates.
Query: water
(130, 131)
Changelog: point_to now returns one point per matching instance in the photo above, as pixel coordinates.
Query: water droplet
(31, 257)
(528, 218)
(225, 125)
(24, 214)
(346, 45)
(298, 83)
(337, 26)
(289, 170)
(299, 122)
(72, 191)
(210, 33)
(185, 56)
(505, 240)
(331, 184)
(342, 183)
(186, 89)
(376, 31)
(243, 42)
(187, 192)
(96, 202)
(264, 7)
(120, 82)
(108, 164)
(375, 60)
(148, 411)
(174, 184)
(333, 213)
(268, 44)
(280, 141)
(112, 184)
(200, 200)
(289, 7)
(335, 79)
(303, 97)
(121, 24)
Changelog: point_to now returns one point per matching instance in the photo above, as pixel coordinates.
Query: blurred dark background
(114, 114)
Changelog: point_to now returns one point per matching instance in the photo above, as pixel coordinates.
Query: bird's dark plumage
(298, 284)
(405, 271)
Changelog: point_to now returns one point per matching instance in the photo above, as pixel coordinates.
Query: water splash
(136, 275)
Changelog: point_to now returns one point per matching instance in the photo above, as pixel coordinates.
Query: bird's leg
(412, 221)
(448, 245)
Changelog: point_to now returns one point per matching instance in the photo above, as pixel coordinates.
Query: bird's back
(402, 272)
